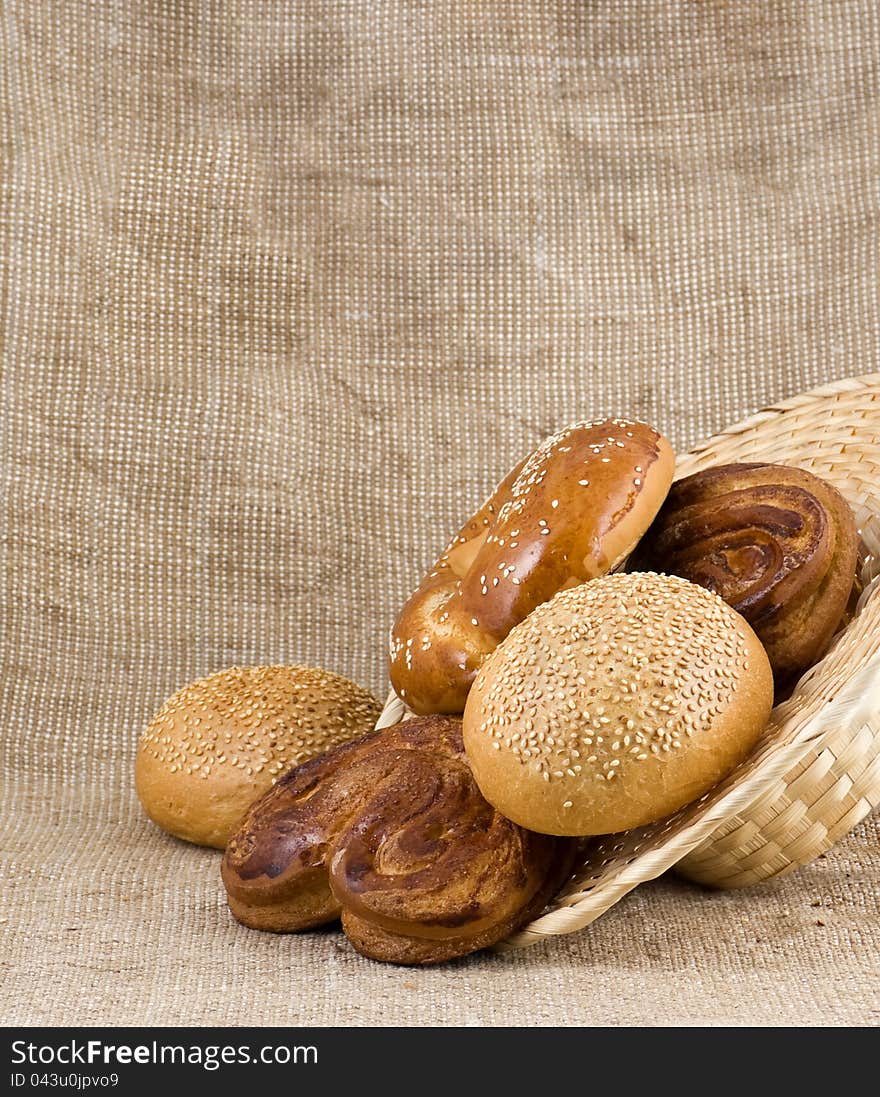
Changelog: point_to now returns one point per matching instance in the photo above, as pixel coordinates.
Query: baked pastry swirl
(778, 544)
(391, 833)
(567, 513)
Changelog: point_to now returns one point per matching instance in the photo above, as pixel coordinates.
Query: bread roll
(391, 833)
(221, 742)
(567, 513)
(777, 543)
(615, 704)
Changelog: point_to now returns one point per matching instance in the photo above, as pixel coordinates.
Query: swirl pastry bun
(615, 704)
(220, 742)
(391, 833)
(567, 513)
(777, 543)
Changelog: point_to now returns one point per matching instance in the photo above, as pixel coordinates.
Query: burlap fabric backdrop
(286, 288)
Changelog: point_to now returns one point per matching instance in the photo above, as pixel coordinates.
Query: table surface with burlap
(286, 288)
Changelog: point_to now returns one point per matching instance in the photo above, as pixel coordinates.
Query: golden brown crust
(568, 513)
(615, 704)
(420, 866)
(219, 743)
(777, 543)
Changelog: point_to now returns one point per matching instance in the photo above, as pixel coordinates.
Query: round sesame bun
(615, 704)
(221, 742)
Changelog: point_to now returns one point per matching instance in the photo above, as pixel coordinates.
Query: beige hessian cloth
(286, 287)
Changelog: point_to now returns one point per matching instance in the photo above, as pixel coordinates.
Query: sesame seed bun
(615, 704)
(221, 742)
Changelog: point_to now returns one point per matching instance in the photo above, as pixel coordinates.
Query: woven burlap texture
(286, 288)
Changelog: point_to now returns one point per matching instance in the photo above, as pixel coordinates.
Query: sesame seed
(629, 652)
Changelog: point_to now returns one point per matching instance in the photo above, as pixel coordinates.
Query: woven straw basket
(816, 771)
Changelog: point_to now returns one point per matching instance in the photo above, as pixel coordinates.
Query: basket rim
(790, 403)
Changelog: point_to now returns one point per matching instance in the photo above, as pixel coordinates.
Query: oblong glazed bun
(615, 704)
(568, 512)
(219, 743)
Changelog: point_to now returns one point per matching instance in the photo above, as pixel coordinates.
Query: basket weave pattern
(816, 771)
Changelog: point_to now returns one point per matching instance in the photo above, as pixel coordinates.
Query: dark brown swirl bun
(778, 544)
(391, 833)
